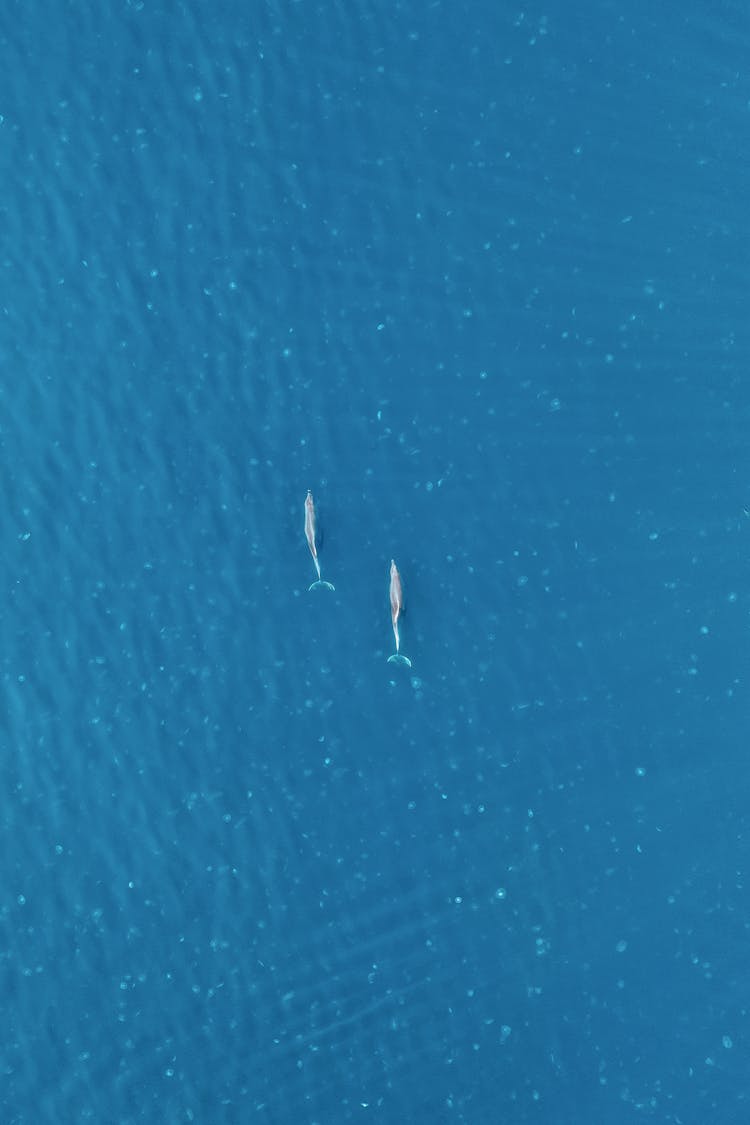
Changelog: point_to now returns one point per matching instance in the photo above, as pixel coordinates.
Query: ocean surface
(477, 275)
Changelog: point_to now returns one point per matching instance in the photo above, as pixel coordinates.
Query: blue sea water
(477, 275)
